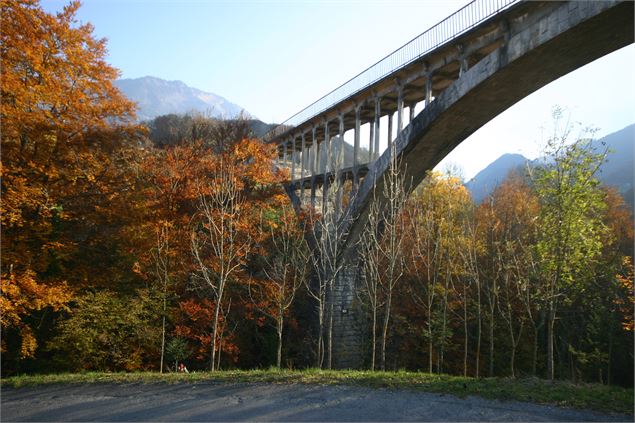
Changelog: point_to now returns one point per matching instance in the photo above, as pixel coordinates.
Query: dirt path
(262, 402)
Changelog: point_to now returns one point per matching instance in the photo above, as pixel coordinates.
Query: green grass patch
(589, 396)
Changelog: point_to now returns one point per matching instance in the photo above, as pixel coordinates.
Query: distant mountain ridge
(156, 97)
(617, 171)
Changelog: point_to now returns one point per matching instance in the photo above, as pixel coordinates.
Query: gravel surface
(265, 402)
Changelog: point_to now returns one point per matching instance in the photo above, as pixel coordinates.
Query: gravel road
(264, 402)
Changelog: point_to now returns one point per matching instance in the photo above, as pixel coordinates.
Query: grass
(589, 396)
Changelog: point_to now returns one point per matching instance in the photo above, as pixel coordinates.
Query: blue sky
(275, 57)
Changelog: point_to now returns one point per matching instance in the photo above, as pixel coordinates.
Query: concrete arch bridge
(423, 100)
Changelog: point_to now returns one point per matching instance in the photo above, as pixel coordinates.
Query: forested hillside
(129, 246)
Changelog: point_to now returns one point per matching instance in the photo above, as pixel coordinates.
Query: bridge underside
(572, 35)
(535, 43)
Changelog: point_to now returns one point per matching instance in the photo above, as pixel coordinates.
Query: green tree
(107, 331)
(569, 222)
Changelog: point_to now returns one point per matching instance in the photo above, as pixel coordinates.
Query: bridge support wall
(349, 328)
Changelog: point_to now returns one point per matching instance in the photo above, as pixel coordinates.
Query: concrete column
(339, 167)
(325, 181)
(284, 154)
(389, 141)
(428, 88)
(293, 160)
(411, 110)
(302, 160)
(314, 164)
(340, 154)
(316, 150)
(377, 117)
(462, 60)
(358, 110)
(399, 108)
(371, 141)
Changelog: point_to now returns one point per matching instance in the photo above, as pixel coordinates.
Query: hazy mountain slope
(487, 179)
(156, 97)
(617, 171)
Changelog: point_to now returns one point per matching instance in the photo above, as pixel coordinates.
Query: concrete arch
(535, 52)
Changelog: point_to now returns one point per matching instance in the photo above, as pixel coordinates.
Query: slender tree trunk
(610, 355)
(512, 355)
(550, 327)
(215, 333)
(374, 339)
(491, 343)
(430, 354)
(330, 333)
(465, 341)
(478, 330)
(385, 330)
(535, 355)
(430, 343)
(320, 352)
(220, 348)
(162, 338)
(279, 354)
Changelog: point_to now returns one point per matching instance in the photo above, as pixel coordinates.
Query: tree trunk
(430, 349)
(478, 331)
(214, 334)
(465, 343)
(279, 355)
(320, 351)
(163, 336)
(385, 331)
(535, 356)
(330, 333)
(491, 343)
(220, 348)
(550, 324)
(610, 354)
(374, 339)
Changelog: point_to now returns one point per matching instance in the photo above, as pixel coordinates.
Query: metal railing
(448, 29)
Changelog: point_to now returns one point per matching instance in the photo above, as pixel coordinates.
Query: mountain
(617, 171)
(156, 97)
(487, 179)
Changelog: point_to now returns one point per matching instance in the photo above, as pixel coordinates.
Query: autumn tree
(239, 182)
(285, 256)
(369, 291)
(511, 212)
(386, 237)
(435, 231)
(64, 129)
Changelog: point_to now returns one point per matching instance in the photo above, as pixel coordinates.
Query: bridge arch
(569, 36)
(463, 84)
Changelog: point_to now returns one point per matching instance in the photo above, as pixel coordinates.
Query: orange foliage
(626, 303)
(62, 122)
(195, 324)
